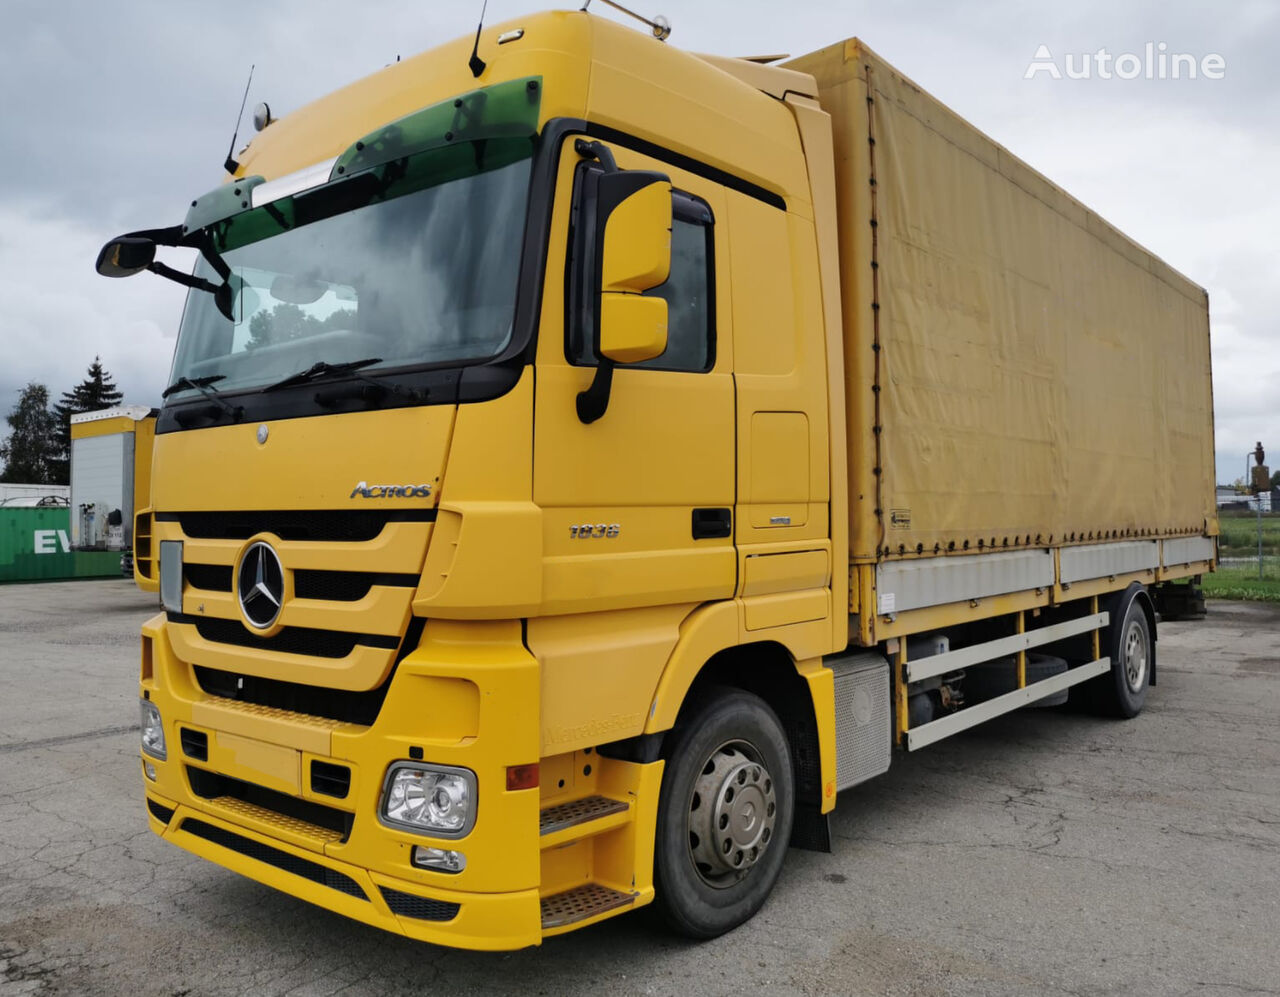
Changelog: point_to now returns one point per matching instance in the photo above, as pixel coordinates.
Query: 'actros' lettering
(366, 490)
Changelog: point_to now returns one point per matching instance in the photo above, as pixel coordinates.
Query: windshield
(413, 263)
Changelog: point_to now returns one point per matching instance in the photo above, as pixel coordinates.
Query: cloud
(116, 115)
(58, 313)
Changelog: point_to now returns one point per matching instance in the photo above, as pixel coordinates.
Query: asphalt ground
(1046, 852)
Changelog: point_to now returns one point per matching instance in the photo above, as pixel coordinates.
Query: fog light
(152, 730)
(430, 799)
(439, 859)
(149, 770)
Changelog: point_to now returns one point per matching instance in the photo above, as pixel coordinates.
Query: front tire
(724, 815)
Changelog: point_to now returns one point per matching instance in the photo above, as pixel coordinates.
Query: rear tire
(1123, 692)
(724, 814)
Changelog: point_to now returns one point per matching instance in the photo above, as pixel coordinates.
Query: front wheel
(724, 816)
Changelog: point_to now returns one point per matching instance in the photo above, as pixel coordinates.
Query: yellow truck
(586, 461)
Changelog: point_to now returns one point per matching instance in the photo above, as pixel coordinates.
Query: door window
(687, 291)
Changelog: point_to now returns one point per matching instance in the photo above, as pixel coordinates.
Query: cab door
(638, 504)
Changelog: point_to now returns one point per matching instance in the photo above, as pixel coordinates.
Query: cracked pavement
(1048, 852)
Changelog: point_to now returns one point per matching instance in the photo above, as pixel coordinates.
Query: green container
(35, 545)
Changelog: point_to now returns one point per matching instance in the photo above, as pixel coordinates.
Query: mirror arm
(598, 151)
(171, 236)
(179, 277)
(595, 399)
(205, 245)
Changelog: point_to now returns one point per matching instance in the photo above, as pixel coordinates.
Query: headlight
(171, 575)
(430, 799)
(152, 730)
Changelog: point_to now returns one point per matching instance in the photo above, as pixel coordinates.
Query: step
(600, 812)
(277, 825)
(580, 903)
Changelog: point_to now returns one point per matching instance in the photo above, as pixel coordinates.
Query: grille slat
(210, 577)
(290, 640)
(341, 525)
(328, 586)
(345, 586)
(305, 868)
(421, 908)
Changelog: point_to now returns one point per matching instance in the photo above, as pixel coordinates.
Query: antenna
(660, 26)
(476, 64)
(231, 165)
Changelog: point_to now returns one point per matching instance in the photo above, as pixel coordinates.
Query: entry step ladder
(582, 818)
(570, 822)
(580, 903)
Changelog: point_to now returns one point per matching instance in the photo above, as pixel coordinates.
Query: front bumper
(466, 697)
(492, 921)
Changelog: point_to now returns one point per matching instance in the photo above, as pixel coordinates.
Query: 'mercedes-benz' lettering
(366, 490)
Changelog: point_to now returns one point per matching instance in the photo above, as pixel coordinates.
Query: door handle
(711, 524)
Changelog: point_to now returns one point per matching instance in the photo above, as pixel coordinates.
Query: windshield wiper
(198, 383)
(202, 385)
(322, 368)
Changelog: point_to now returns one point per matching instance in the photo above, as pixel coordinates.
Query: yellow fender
(713, 628)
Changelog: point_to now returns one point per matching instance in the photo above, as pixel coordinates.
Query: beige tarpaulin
(1039, 379)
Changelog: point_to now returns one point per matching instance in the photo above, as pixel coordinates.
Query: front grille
(330, 780)
(333, 704)
(290, 640)
(344, 525)
(211, 785)
(421, 908)
(305, 868)
(195, 743)
(160, 812)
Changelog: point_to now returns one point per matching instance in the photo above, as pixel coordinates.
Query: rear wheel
(724, 816)
(1123, 692)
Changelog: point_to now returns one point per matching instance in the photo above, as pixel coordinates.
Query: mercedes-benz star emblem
(261, 585)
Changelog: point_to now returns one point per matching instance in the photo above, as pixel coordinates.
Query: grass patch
(1242, 582)
(1239, 533)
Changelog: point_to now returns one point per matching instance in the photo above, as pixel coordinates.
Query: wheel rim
(732, 811)
(1135, 656)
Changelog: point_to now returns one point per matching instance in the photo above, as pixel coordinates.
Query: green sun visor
(504, 111)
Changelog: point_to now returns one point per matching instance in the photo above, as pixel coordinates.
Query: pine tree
(30, 453)
(96, 391)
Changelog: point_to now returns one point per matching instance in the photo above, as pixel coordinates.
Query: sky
(116, 115)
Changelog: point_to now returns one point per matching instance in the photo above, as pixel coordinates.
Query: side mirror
(633, 255)
(634, 233)
(126, 256)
